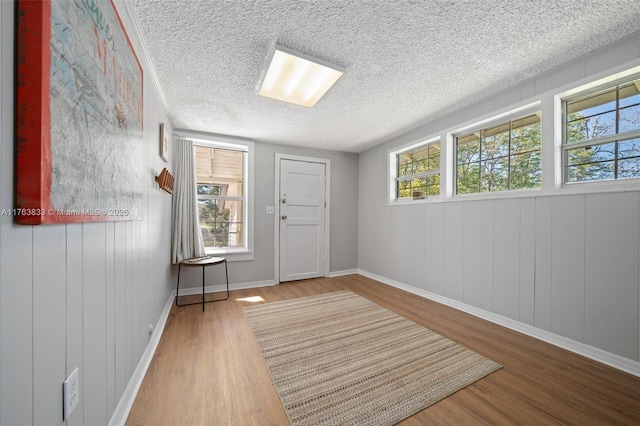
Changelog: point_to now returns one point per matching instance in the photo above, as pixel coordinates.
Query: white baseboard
(221, 287)
(596, 354)
(341, 273)
(121, 413)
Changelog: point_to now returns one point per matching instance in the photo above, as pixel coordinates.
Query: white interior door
(302, 219)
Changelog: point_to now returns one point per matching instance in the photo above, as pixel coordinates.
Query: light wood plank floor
(208, 371)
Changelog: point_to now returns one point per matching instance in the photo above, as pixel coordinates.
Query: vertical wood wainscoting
(208, 369)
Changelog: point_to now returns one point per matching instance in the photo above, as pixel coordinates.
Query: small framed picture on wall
(164, 143)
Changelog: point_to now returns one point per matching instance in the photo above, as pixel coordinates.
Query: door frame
(327, 213)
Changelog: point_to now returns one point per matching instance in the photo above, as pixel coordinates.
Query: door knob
(284, 217)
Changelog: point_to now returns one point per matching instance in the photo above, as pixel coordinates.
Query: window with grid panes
(220, 181)
(418, 172)
(601, 133)
(502, 157)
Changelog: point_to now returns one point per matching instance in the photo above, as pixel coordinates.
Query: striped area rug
(340, 359)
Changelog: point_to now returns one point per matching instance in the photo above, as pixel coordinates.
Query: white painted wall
(84, 295)
(344, 214)
(77, 295)
(344, 202)
(563, 263)
(344, 208)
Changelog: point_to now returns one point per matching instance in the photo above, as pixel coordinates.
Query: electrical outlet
(271, 210)
(71, 393)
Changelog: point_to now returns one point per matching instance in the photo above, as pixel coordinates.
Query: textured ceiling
(407, 61)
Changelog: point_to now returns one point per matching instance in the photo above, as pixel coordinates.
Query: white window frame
(549, 105)
(494, 120)
(392, 171)
(246, 251)
(601, 84)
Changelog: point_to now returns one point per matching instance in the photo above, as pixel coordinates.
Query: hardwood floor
(207, 369)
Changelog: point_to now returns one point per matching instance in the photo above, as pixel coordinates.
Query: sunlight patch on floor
(254, 299)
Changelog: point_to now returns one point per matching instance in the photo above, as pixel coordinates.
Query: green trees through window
(594, 137)
(418, 172)
(214, 218)
(502, 157)
(602, 134)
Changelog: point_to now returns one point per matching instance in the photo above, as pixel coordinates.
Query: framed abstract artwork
(79, 114)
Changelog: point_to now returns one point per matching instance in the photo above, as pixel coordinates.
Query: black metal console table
(203, 262)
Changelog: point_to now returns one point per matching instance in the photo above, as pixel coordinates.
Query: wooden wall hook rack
(165, 181)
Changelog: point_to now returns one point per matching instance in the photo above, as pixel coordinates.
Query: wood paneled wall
(77, 295)
(562, 262)
(568, 265)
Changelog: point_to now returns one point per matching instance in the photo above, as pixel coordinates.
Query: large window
(221, 175)
(417, 172)
(502, 157)
(601, 133)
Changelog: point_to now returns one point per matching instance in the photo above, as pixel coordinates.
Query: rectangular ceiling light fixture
(298, 78)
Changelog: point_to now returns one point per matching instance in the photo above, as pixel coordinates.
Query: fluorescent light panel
(298, 78)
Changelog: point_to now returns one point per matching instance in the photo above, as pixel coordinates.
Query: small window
(503, 157)
(417, 174)
(222, 204)
(601, 133)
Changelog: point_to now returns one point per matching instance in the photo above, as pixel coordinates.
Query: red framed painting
(79, 114)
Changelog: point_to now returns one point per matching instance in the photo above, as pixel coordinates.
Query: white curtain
(186, 241)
